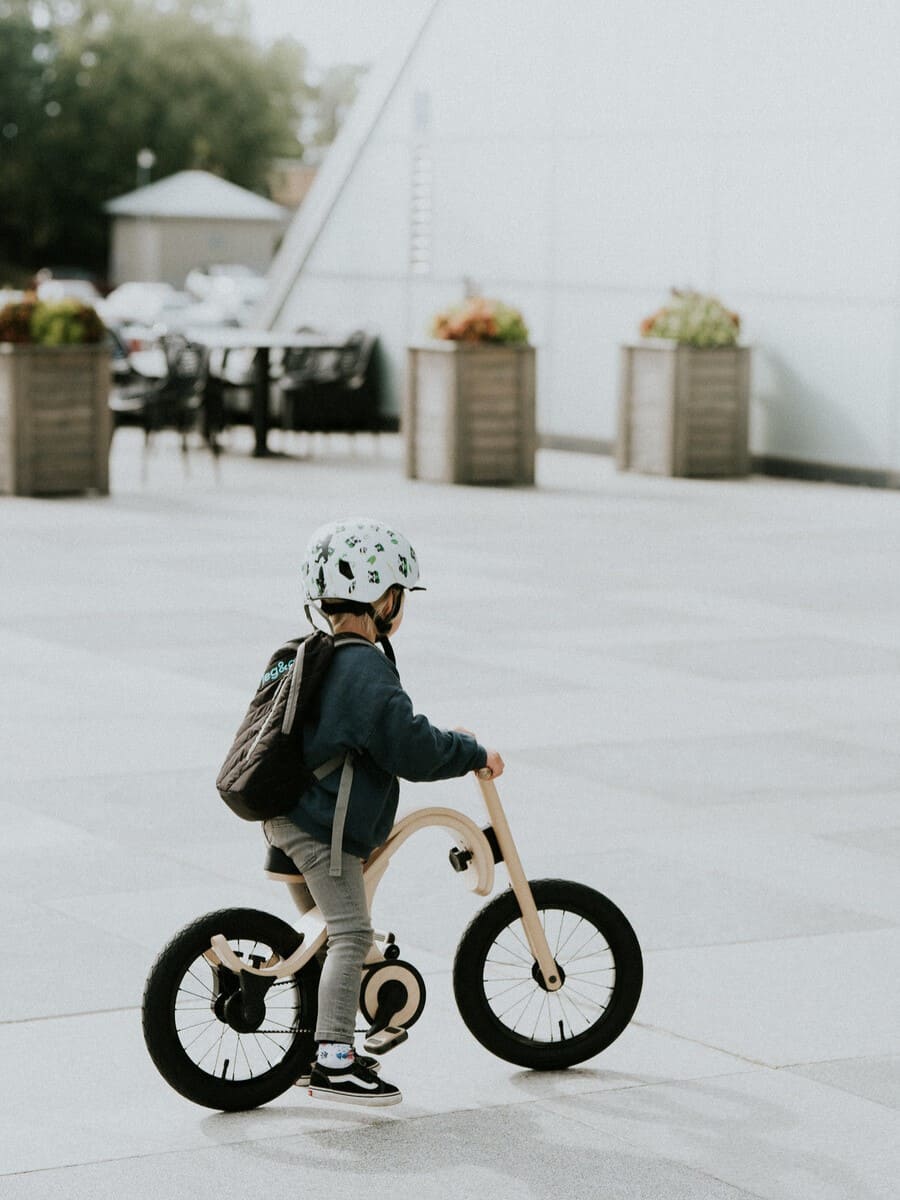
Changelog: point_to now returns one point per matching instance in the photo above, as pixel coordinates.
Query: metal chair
(174, 402)
(332, 389)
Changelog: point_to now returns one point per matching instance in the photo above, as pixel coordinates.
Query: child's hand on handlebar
(494, 764)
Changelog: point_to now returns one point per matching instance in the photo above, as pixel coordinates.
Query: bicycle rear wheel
(213, 1043)
(500, 992)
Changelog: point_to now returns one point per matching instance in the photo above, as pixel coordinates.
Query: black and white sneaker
(371, 1064)
(355, 1084)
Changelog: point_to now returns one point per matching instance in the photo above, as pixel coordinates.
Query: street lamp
(146, 160)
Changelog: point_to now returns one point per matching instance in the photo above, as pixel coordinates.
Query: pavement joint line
(93, 1012)
(785, 937)
(682, 1037)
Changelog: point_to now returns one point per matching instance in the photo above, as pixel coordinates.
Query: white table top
(226, 337)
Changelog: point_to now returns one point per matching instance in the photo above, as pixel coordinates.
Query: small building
(191, 219)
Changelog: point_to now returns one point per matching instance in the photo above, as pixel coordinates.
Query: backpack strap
(346, 782)
(290, 708)
(340, 816)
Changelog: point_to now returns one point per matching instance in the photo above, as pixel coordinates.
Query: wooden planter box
(683, 410)
(470, 413)
(54, 419)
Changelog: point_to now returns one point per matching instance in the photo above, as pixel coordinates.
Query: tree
(86, 84)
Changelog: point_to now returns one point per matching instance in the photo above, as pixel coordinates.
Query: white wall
(587, 156)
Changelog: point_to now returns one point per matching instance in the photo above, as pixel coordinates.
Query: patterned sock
(335, 1054)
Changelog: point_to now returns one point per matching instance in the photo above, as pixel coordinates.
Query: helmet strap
(308, 610)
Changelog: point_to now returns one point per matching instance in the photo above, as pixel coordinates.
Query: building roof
(195, 194)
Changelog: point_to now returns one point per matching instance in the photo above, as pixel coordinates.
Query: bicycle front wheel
(219, 1046)
(499, 989)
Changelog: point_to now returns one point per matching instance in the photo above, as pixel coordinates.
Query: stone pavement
(695, 686)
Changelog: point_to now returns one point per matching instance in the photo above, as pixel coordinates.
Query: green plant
(480, 319)
(61, 323)
(695, 319)
(65, 323)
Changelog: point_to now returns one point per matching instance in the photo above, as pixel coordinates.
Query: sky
(336, 30)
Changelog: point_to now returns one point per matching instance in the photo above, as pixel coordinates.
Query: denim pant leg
(342, 902)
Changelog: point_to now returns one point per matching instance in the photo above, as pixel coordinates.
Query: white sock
(335, 1055)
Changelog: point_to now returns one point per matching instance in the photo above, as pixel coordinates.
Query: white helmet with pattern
(357, 559)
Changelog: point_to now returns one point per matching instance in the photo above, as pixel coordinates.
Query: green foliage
(479, 319)
(694, 319)
(61, 323)
(65, 323)
(83, 92)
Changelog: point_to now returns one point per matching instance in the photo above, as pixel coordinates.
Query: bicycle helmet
(357, 559)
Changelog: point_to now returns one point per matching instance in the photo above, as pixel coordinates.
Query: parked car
(236, 288)
(142, 312)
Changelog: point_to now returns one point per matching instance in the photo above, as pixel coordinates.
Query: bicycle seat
(280, 866)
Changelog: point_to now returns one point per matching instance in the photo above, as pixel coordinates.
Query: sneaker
(371, 1064)
(355, 1084)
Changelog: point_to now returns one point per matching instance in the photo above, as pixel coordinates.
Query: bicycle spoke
(199, 1061)
(538, 1017)
(261, 1047)
(578, 953)
(200, 982)
(560, 949)
(194, 995)
(524, 1002)
(569, 1000)
(527, 957)
(523, 943)
(512, 987)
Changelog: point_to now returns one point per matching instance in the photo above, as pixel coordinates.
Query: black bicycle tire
(469, 984)
(158, 1013)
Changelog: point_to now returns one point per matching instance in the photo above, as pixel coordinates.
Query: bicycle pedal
(385, 1039)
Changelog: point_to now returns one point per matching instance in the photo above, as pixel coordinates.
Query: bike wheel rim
(519, 1003)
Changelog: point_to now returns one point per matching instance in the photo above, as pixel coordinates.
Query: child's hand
(494, 764)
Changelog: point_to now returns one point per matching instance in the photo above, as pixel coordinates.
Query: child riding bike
(356, 573)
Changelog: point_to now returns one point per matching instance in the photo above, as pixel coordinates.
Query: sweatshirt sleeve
(410, 746)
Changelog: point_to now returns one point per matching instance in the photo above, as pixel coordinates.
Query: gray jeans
(342, 902)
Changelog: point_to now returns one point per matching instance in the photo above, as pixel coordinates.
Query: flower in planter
(479, 319)
(695, 319)
(60, 323)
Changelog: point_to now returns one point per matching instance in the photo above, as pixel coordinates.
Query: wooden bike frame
(469, 837)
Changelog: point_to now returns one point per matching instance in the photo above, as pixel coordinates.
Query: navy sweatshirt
(363, 708)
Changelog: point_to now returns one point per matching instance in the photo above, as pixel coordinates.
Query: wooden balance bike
(546, 975)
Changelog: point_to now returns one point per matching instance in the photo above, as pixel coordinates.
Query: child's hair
(380, 611)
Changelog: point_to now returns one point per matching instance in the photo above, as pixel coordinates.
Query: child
(357, 573)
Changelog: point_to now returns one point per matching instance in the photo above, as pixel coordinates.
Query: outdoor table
(228, 337)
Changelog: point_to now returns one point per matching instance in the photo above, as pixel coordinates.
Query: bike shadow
(504, 1151)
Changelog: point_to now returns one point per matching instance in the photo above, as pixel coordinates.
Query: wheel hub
(244, 1014)
(538, 977)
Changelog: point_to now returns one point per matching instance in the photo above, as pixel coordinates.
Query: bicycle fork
(531, 922)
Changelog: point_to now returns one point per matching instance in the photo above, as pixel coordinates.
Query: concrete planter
(683, 410)
(469, 414)
(54, 419)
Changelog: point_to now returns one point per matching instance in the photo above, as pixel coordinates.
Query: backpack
(263, 774)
